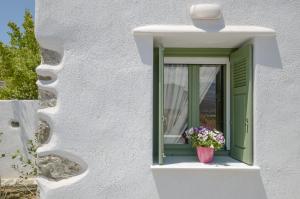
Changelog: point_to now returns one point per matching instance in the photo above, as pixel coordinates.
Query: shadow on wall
(24, 112)
(210, 25)
(266, 53)
(144, 45)
(18, 124)
(212, 184)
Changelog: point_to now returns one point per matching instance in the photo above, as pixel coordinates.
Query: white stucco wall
(15, 138)
(103, 116)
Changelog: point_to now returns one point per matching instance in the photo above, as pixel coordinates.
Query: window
(195, 87)
(193, 95)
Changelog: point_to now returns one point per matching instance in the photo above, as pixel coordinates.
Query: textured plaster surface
(15, 138)
(103, 116)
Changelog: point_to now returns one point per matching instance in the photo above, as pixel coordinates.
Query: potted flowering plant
(206, 141)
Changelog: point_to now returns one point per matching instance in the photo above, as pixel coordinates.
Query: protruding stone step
(50, 57)
(47, 99)
(55, 167)
(43, 132)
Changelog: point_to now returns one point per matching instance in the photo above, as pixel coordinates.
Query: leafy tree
(18, 61)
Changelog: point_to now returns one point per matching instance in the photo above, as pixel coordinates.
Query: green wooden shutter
(161, 106)
(241, 105)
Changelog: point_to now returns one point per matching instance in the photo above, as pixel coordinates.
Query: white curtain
(207, 95)
(207, 75)
(175, 102)
(176, 97)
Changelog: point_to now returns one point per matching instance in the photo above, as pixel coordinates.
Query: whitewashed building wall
(103, 76)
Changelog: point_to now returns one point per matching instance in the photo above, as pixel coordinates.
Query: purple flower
(203, 136)
(220, 139)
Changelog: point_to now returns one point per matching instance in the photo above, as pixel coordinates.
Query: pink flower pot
(205, 154)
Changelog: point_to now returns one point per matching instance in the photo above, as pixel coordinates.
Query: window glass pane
(211, 96)
(175, 103)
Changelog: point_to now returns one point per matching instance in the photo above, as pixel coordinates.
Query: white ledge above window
(189, 36)
(191, 162)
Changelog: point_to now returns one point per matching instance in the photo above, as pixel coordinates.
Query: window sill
(192, 163)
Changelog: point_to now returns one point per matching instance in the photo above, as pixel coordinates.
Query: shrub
(18, 61)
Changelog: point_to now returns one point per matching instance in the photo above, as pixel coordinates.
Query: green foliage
(18, 61)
